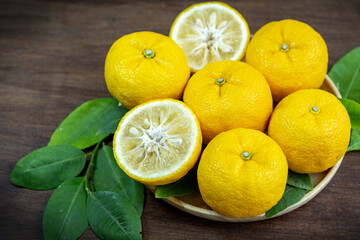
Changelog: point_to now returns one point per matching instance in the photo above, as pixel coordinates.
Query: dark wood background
(51, 60)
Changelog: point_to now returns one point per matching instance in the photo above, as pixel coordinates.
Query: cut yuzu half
(158, 142)
(209, 32)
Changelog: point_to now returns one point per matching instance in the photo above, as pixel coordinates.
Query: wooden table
(51, 60)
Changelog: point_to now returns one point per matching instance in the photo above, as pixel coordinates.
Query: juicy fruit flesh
(214, 33)
(156, 141)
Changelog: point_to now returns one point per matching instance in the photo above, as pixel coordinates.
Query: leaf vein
(352, 81)
(108, 158)
(70, 207)
(73, 137)
(111, 216)
(54, 163)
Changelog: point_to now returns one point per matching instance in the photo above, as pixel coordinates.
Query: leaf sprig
(105, 196)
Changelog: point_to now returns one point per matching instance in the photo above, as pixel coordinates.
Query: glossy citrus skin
(239, 188)
(312, 141)
(134, 79)
(186, 163)
(302, 65)
(243, 100)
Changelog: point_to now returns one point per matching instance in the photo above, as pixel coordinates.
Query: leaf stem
(93, 154)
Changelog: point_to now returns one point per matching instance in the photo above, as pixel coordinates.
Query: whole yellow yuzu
(229, 94)
(313, 129)
(242, 173)
(290, 54)
(143, 66)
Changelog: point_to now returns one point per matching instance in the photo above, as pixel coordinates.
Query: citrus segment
(209, 32)
(158, 142)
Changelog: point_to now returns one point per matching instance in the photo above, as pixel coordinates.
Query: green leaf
(299, 180)
(291, 196)
(88, 124)
(108, 176)
(354, 140)
(346, 75)
(353, 109)
(185, 185)
(112, 119)
(47, 167)
(112, 217)
(65, 213)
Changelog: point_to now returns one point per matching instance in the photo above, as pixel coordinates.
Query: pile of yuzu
(227, 104)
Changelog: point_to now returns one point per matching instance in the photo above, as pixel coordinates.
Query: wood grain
(51, 60)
